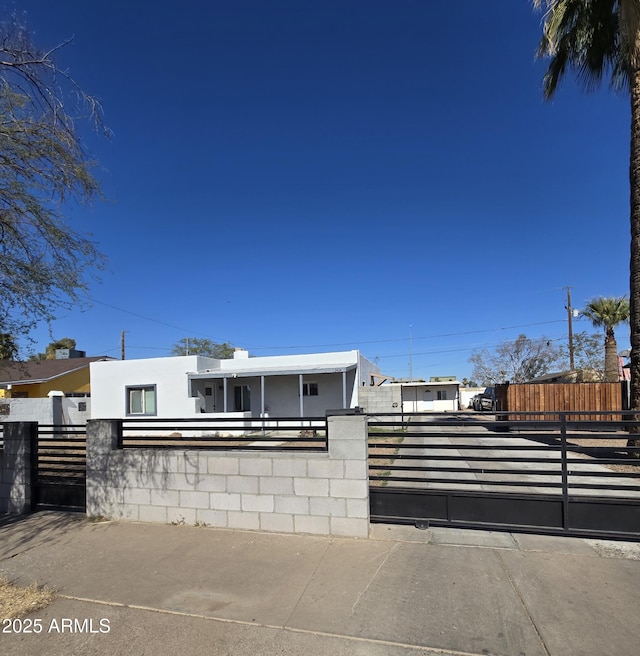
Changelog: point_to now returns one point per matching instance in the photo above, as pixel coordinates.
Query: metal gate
(550, 474)
(59, 468)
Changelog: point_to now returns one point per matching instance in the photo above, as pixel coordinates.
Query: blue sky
(333, 174)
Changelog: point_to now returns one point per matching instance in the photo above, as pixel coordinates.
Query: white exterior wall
(110, 379)
(424, 398)
(364, 371)
(467, 393)
(282, 394)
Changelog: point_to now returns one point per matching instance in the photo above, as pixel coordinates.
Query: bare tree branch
(43, 166)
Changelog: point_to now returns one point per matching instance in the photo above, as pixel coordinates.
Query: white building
(437, 395)
(440, 394)
(190, 386)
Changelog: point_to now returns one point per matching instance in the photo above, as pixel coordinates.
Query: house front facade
(244, 387)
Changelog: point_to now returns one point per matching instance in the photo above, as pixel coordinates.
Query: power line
(330, 344)
(454, 350)
(406, 339)
(142, 316)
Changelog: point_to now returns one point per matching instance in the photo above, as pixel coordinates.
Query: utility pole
(410, 354)
(570, 319)
(122, 345)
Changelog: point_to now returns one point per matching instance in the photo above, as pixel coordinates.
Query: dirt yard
(16, 602)
(613, 443)
(385, 455)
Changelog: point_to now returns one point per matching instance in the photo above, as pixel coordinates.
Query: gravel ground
(16, 602)
(613, 444)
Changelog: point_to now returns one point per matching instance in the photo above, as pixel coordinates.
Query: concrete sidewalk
(190, 591)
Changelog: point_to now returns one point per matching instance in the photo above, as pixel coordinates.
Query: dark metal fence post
(565, 471)
(326, 433)
(35, 475)
(118, 434)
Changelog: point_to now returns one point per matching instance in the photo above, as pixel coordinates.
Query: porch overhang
(276, 371)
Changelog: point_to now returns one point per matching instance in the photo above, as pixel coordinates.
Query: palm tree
(596, 39)
(607, 313)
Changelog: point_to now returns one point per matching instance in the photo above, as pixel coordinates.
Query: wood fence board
(561, 397)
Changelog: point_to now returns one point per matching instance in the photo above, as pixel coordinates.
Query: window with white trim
(309, 389)
(141, 400)
(442, 395)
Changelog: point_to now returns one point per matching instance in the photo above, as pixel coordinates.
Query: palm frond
(607, 312)
(585, 36)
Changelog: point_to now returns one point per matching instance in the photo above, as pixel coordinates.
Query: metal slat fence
(59, 466)
(255, 434)
(478, 461)
(540, 454)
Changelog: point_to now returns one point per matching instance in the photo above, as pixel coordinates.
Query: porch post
(224, 393)
(344, 389)
(300, 393)
(262, 395)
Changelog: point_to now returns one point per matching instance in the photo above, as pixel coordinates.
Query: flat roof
(273, 371)
(424, 383)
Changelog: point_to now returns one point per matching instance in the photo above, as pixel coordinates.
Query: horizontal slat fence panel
(560, 397)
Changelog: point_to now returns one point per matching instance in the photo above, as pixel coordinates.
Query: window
(208, 391)
(141, 400)
(309, 389)
(442, 395)
(241, 398)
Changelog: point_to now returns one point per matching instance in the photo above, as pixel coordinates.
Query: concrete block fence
(286, 491)
(15, 467)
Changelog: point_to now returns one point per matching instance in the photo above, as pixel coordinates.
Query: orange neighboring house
(32, 380)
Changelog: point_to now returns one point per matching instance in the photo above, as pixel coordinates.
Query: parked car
(487, 400)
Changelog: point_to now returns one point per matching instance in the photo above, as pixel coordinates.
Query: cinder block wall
(380, 399)
(15, 467)
(39, 410)
(317, 493)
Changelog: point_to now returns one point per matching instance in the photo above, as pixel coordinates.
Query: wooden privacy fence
(562, 397)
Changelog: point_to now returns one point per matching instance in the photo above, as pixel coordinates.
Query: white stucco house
(193, 386)
(437, 395)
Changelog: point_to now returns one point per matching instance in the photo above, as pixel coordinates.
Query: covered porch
(286, 392)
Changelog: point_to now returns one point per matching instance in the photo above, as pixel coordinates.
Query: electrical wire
(332, 344)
